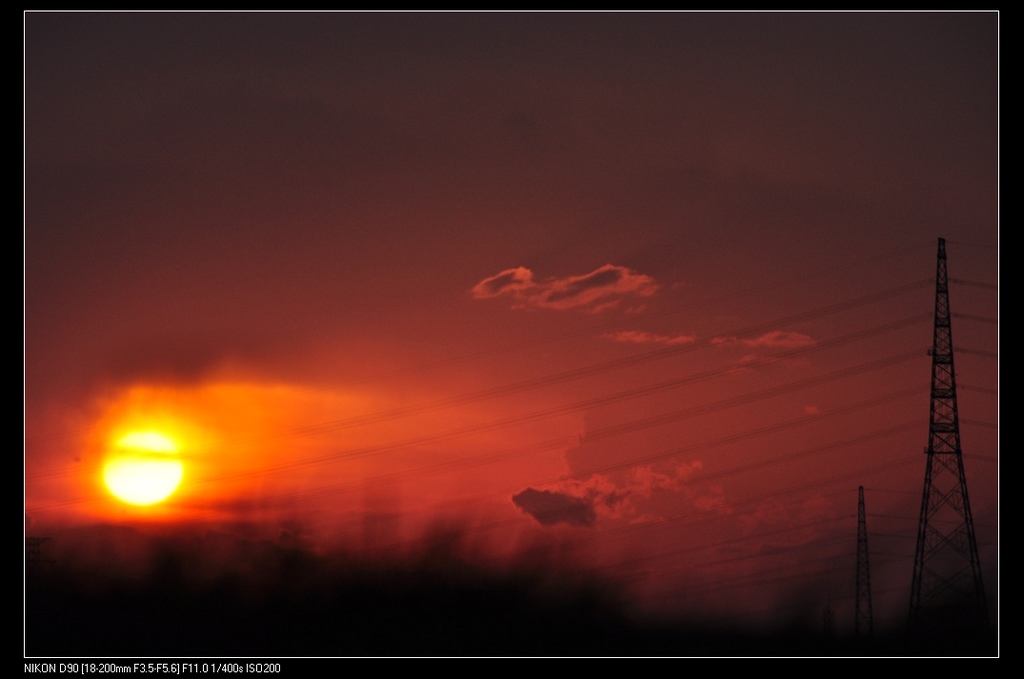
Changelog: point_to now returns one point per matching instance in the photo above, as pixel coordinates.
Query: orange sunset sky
(647, 295)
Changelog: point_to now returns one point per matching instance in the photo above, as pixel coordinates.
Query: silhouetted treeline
(279, 602)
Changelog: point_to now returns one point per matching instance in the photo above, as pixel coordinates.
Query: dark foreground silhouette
(291, 603)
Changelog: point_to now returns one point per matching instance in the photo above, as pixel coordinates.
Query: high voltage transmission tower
(947, 594)
(864, 622)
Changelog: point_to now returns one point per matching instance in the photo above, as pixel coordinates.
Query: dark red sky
(593, 280)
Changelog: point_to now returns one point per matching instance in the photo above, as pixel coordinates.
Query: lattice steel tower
(864, 625)
(947, 594)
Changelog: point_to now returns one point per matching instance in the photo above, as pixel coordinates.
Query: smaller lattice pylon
(864, 626)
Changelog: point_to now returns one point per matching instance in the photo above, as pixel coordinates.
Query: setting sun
(144, 469)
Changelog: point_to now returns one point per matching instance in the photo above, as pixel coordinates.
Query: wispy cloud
(551, 507)
(642, 337)
(600, 290)
(776, 339)
(580, 502)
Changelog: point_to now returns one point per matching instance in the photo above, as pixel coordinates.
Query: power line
(584, 404)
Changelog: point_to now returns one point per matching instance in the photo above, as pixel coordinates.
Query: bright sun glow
(144, 469)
